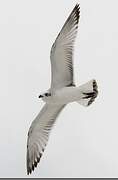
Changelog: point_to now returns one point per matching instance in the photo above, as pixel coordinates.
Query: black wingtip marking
(34, 165)
(77, 11)
(29, 171)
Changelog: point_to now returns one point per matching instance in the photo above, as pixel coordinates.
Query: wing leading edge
(62, 52)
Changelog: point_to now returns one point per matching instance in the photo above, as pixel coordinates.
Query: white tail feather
(90, 92)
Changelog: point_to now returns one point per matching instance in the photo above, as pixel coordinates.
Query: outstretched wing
(62, 52)
(39, 133)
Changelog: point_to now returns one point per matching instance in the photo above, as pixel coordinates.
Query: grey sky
(84, 141)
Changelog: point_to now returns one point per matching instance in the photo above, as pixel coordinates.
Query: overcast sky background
(84, 142)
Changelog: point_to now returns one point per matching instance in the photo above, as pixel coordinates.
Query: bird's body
(64, 96)
(62, 91)
(67, 94)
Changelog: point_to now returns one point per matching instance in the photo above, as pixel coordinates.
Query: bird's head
(45, 95)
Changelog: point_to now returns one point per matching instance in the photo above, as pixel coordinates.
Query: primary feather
(62, 52)
(39, 133)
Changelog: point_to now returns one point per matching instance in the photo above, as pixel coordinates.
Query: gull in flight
(61, 92)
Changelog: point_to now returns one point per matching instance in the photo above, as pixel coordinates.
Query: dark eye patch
(47, 94)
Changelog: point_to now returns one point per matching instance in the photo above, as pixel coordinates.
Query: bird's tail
(89, 91)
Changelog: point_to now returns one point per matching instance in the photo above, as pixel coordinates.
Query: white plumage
(62, 91)
(62, 52)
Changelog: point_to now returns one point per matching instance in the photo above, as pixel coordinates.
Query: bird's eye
(47, 94)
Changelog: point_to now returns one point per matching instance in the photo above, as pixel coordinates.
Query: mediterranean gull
(61, 92)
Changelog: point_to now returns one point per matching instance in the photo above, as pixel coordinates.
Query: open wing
(62, 52)
(39, 133)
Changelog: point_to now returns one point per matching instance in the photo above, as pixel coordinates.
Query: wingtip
(31, 168)
(29, 171)
(77, 5)
(77, 11)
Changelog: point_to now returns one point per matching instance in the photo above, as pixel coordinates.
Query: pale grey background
(84, 142)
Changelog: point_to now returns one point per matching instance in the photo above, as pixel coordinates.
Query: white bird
(62, 91)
